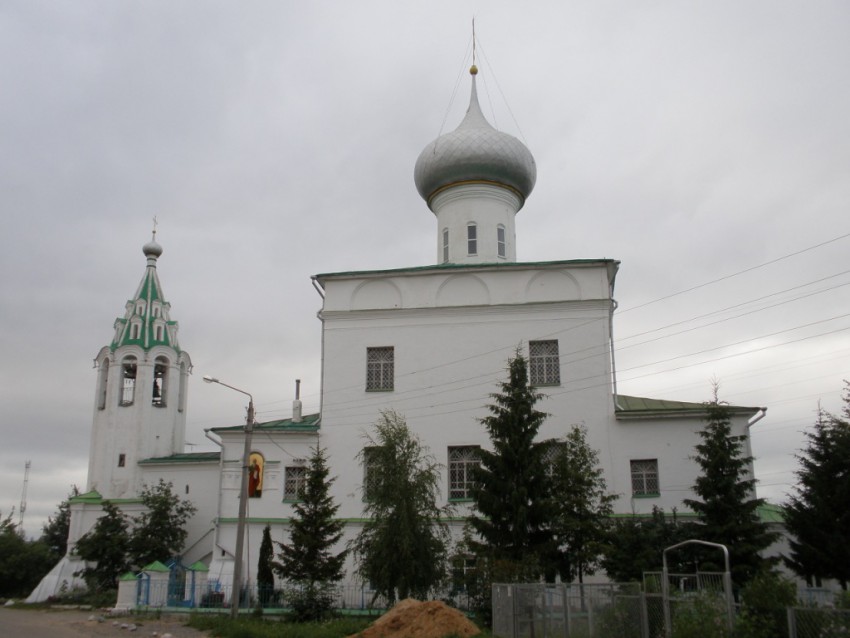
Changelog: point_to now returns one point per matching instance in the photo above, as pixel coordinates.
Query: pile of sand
(414, 619)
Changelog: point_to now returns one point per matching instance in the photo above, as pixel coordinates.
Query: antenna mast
(23, 507)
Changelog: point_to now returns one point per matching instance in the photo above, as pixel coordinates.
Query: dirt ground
(49, 623)
(414, 619)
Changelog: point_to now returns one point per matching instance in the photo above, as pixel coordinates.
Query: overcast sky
(695, 142)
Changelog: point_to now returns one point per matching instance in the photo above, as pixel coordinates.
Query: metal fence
(818, 622)
(573, 611)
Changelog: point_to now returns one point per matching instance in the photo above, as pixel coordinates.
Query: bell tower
(140, 399)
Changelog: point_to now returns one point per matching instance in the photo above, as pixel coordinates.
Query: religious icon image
(255, 475)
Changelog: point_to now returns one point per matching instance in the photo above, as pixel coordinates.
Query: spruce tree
(402, 548)
(582, 506)
(265, 575)
(511, 489)
(727, 507)
(106, 547)
(308, 561)
(818, 512)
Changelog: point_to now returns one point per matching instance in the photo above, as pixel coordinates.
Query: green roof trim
(308, 423)
(771, 513)
(89, 497)
(637, 407)
(186, 457)
(129, 576)
(488, 266)
(156, 566)
(198, 566)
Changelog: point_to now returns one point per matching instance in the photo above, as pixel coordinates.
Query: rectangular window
(380, 364)
(645, 477)
(122, 460)
(462, 460)
(293, 482)
(445, 245)
(544, 364)
(472, 239)
(500, 240)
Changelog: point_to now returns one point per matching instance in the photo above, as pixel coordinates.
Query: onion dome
(475, 152)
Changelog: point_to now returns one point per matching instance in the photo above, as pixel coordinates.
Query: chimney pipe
(296, 405)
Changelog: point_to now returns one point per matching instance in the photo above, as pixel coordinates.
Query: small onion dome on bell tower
(475, 152)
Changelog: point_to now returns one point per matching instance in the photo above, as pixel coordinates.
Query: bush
(763, 603)
(700, 616)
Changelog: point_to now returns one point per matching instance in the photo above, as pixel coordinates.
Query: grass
(224, 627)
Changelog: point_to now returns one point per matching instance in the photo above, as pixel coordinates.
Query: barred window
(294, 479)
(472, 239)
(380, 363)
(445, 245)
(462, 460)
(645, 477)
(500, 241)
(544, 364)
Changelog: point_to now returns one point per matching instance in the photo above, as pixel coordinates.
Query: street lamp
(243, 500)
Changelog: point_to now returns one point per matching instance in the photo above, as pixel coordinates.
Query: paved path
(17, 622)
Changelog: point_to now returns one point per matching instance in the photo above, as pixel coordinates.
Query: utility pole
(23, 507)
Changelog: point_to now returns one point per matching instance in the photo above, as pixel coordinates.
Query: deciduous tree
(581, 506)
(105, 549)
(54, 533)
(159, 532)
(403, 545)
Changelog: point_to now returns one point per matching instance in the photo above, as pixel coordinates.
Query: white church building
(429, 342)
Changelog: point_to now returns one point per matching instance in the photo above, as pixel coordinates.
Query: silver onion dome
(475, 152)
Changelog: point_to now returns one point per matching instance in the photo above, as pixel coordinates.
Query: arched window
(445, 245)
(101, 384)
(160, 382)
(181, 395)
(500, 241)
(256, 464)
(128, 381)
(158, 331)
(135, 330)
(472, 239)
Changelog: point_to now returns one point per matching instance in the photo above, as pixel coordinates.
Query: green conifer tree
(308, 560)
(727, 507)
(511, 489)
(818, 512)
(265, 573)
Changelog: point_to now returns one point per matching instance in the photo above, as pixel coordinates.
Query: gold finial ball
(473, 70)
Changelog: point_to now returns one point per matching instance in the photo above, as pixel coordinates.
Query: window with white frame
(544, 364)
(128, 381)
(500, 241)
(462, 461)
(645, 477)
(445, 245)
(472, 239)
(380, 369)
(294, 479)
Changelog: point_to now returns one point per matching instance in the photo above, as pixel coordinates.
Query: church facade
(430, 343)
